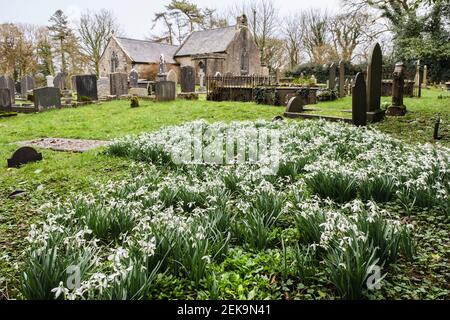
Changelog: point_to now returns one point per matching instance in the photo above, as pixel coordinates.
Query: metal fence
(239, 81)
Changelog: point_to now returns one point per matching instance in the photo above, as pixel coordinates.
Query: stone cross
(359, 101)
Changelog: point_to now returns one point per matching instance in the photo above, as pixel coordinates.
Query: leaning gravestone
(87, 87)
(60, 81)
(46, 98)
(165, 91)
(187, 79)
(23, 156)
(295, 105)
(103, 87)
(27, 84)
(5, 100)
(374, 77)
(341, 79)
(172, 76)
(332, 77)
(359, 101)
(134, 78)
(118, 83)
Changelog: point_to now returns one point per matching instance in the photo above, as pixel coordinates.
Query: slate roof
(207, 41)
(143, 51)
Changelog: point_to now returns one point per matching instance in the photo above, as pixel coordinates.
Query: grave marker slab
(46, 98)
(359, 101)
(332, 77)
(27, 84)
(103, 87)
(165, 91)
(87, 87)
(295, 105)
(50, 80)
(134, 78)
(118, 83)
(374, 78)
(60, 81)
(187, 79)
(172, 76)
(341, 79)
(5, 100)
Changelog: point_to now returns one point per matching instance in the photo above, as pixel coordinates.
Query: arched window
(245, 63)
(114, 62)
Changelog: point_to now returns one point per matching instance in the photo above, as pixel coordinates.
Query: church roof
(143, 51)
(207, 41)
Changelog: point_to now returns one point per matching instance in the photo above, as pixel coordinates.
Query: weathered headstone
(5, 100)
(165, 91)
(3, 82)
(60, 81)
(138, 92)
(187, 79)
(50, 80)
(134, 78)
(27, 84)
(397, 108)
(359, 101)
(74, 83)
(417, 76)
(341, 79)
(313, 80)
(295, 105)
(332, 77)
(8, 83)
(172, 76)
(425, 77)
(87, 87)
(103, 87)
(374, 77)
(201, 76)
(23, 156)
(119, 84)
(46, 98)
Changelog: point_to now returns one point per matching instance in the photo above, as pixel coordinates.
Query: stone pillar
(341, 79)
(332, 77)
(425, 77)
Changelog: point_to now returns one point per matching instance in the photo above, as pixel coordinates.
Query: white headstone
(313, 79)
(201, 75)
(49, 81)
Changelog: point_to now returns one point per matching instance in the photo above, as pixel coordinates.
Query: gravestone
(50, 80)
(18, 87)
(341, 79)
(359, 101)
(73, 80)
(417, 76)
(5, 100)
(46, 98)
(162, 74)
(119, 84)
(60, 81)
(134, 78)
(139, 92)
(218, 74)
(3, 82)
(425, 77)
(27, 84)
(23, 156)
(187, 79)
(103, 87)
(87, 87)
(397, 108)
(165, 91)
(8, 83)
(332, 77)
(295, 105)
(313, 80)
(172, 76)
(374, 77)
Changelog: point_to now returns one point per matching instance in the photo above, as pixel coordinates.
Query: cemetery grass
(61, 175)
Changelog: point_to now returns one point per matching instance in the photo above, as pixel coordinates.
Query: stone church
(229, 50)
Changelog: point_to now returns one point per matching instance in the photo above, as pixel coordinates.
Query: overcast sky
(134, 15)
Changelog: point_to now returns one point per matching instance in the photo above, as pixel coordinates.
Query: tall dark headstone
(397, 108)
(134, 78)
(8, 83)
(60, 81)
(119, 84)
(332, 77)
(46, 98)
(165, 91)
(87, 87)
(5, 100)
(374, 77)
(295, 105)
(359, 101)
(187, 79)
(341, 79)
(27, 84)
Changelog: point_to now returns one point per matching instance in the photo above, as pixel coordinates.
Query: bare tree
(95, 30)
(293, 33)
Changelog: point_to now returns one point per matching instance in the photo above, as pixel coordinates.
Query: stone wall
(243, 39)
(105, 61)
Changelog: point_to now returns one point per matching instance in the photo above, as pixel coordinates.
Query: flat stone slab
(67, 145)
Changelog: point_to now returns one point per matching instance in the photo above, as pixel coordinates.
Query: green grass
(60, 174)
